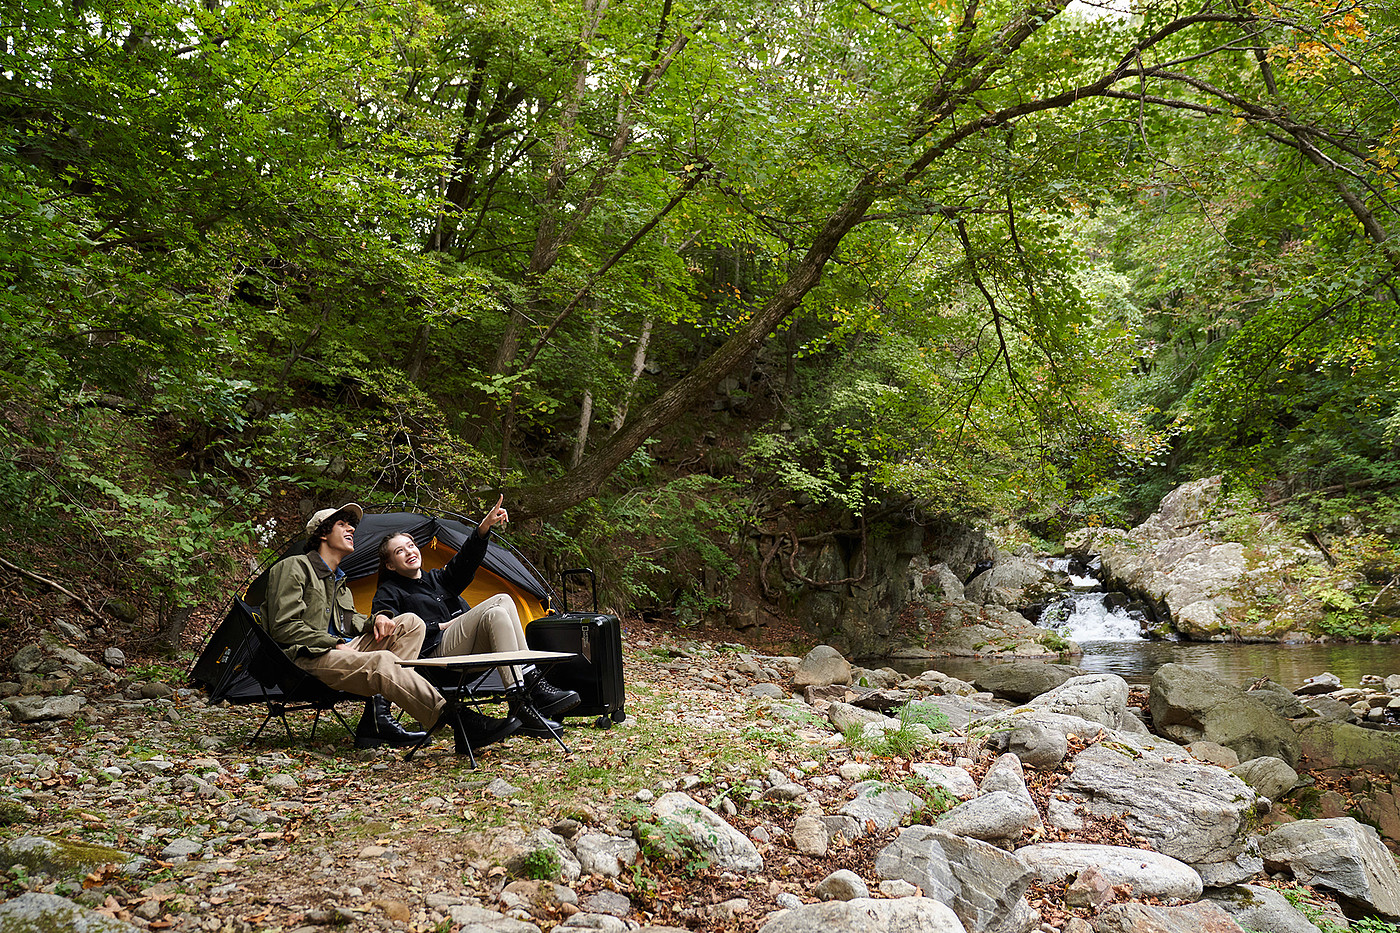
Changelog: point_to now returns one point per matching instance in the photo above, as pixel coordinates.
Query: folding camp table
(461, 679)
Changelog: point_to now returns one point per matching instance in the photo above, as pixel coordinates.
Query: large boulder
(1329, 744)
(1189, 704)
(1019, 681)
(1000, 818)
(1198, 814)
(1340, 855)
(1147, 874)
(1270, 777)
(823, 665)
(984, 885)
(861, 915)
(708, 833)
(1013, 581)
(1178, 561)
(1101, 698)
(65, 860)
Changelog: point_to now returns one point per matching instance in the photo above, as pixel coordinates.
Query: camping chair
(255, 670)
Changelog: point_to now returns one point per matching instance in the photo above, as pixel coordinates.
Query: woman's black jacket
(435, 596)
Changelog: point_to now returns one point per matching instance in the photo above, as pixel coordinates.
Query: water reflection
(1136, 661)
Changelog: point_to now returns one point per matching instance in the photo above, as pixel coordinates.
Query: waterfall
(1087, 614)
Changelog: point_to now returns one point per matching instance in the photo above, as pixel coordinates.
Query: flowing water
(1113, 643)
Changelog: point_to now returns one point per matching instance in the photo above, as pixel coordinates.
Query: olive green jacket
(303, 596)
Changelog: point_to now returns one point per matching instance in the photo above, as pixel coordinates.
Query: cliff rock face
(1208, 572)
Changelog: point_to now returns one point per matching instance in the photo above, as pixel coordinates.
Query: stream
(1113, 643)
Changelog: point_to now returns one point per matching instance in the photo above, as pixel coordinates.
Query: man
(311, 615)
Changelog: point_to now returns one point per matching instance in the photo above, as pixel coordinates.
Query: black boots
(481, 730)
(533, 722)
(550, 700)
(377, 727)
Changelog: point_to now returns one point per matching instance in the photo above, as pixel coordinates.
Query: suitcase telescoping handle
(564, 576)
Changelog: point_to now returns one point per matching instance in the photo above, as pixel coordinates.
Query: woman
(454, 628)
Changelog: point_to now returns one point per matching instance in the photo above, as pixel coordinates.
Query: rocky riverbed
(744, 792)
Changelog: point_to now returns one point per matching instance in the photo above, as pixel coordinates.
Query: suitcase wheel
(603, 723)
(619, 715)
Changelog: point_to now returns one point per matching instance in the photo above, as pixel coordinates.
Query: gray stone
(845, 716)
(1341, 855)
(1148, 874)
(607, 923)
(40, 912)
(64, 859)
(1319, 684)
(1332, 744)
(823, 665)
(984, 885)
(1278, 698)
(882, 804)
(1147, 918)
(864, 915)
(841, 885)
(810, 836)
(500, 787)
(724, 845)
(613, 903)
(956, 781)
(770, 690)
(1019, 681)
(1259, 908)
(1038, 745)
(1189, 704)
(605, 854)
(1100, 698)
(1000, 818)
(1006, 774)
(524, 861)
(181, 849)
(114, 657)
(37, 709)
(1217, 755)
(1269, 777)
(1194, 813)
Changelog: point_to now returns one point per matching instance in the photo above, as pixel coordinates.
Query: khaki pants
(365, 666)
(491, 625)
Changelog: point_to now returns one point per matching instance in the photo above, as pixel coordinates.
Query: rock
(882, 804)
(1012, 581)
(39, 912)
(64, 859)
(1000, 818)
(841, 885)
(606, 902)
(541, 850)
(1090, 888)
(1259, 908)
(1146, 873)
(810, 836)
(500, 787)
(1146, 918)
(846, 716)
(1215, 754)
(1341, 855)
(595, 921)
(1319, 684)
(1194, 813)
(114, 657)
(1005, 774)
(823, 665)
(1269, 777)
(181, 849)
(956, 781)
(1329, 709)
(722, 844)
(1189, 704)
(1278, 698)
(604, 854)
(1019, 681)
(1331, 744)
(1100, 698)
(37, 709)
(863, 915)
(984, 885)
(1037, 745)
(540, 898)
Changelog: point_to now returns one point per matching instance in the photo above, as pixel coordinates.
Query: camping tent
(229, 667)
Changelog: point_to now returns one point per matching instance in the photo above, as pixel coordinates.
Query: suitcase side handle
(564, 576)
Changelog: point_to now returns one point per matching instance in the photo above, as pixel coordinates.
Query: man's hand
(383, 627)
(497, 516)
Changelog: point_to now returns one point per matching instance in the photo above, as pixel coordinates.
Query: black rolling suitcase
(597, 674)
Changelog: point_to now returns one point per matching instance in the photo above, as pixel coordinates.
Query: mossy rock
(65, 859)
(48, 913)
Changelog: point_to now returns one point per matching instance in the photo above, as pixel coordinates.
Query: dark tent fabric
(229, 665)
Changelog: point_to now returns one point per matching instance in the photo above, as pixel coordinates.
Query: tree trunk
(639, 362)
